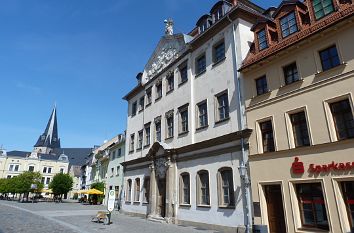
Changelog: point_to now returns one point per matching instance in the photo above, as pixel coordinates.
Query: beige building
(299, 86)
(16, 162)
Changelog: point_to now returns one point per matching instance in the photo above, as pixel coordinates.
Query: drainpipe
(241, 123)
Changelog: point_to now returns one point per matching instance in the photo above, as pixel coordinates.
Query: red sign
(297, 167)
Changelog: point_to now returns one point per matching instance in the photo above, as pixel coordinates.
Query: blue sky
(83, 55)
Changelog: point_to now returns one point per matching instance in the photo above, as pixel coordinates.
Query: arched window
(226, 187)
(129, 190)
(184, 189)
(203, 192)
(137, 190)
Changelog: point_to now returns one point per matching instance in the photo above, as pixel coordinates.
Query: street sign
(111, 200)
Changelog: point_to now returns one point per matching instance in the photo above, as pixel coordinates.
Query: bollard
(109, 218)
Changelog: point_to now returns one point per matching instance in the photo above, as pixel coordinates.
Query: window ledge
(131, 152)
(169, 138)
(226, 207)
(182, 83)
(204, 206)
(128, 202)
(292, 83)
(147, 105)
(145, 203)
(222, 120)
(263, 94)
(342, 65)
(218, 62)
(136, 202)
(146, 146)
(141, 110)
(183, 133)
(157, 99)
(138, 149)
(202, 127)
(169, 91)
(200, 73)
(185, 205)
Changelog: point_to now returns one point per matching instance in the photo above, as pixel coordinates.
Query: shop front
(305, 190)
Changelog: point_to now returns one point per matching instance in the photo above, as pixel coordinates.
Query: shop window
(312, 206)
(348, 196)
(185, 188)
(300, 130)
(329, 58)
(262, 40)
(225, 188)
(288, 24)
(290, 73)
(261, 85)
(267, 136)
(203, 197)
(146, 189)
(322, 8)
(343, 119)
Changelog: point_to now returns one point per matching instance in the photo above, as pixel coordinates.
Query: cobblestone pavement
(75, 217)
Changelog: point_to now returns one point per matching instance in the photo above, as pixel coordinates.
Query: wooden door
(162, 197)
(275, 209)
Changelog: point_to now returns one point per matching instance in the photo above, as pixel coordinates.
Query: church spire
(50, 137)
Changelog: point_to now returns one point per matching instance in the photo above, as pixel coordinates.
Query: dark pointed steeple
(50, 137)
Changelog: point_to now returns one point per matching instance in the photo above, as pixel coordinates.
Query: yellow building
(299, 86)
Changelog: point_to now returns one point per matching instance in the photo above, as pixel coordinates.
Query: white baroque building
(186, 137)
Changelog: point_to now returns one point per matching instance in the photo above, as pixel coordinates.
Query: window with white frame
(148, 96)
(300, 129)
(342, 115)
(185, 188)
(140, 140)
(137, 190)
(31, 168)
(134, 107)
(158, 129)
(141, 103)
(129, 191)
(262, 39)
(169, 124)
(267, 136)
(183, 115)
(202, 112)
(203, 192)
(146, 189)
(158, 87)
(219, 51)
(200, 64)
(170, 81)
(183, 71)
(147, 135)
(226, 187)
(291, 74)
(288, 24)
(131, 143)
(14, 167)
(222, 106)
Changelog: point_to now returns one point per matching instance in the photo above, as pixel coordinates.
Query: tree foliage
(98, 186)
(21, 183)
(61, 184)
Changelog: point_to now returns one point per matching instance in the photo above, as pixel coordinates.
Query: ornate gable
(168, 49)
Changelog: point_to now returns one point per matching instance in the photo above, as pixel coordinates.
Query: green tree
(24, 181)
(61, 184)
(98, 186)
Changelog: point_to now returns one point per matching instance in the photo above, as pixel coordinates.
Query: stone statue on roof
(168, 27)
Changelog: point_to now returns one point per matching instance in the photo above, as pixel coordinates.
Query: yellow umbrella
(94, 191)
(46, 191)
(82, 191)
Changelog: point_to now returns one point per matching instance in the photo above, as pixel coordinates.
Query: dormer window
(218, 13)
(203, 26)
(262, 39)
(288, 24)
(322, 8)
